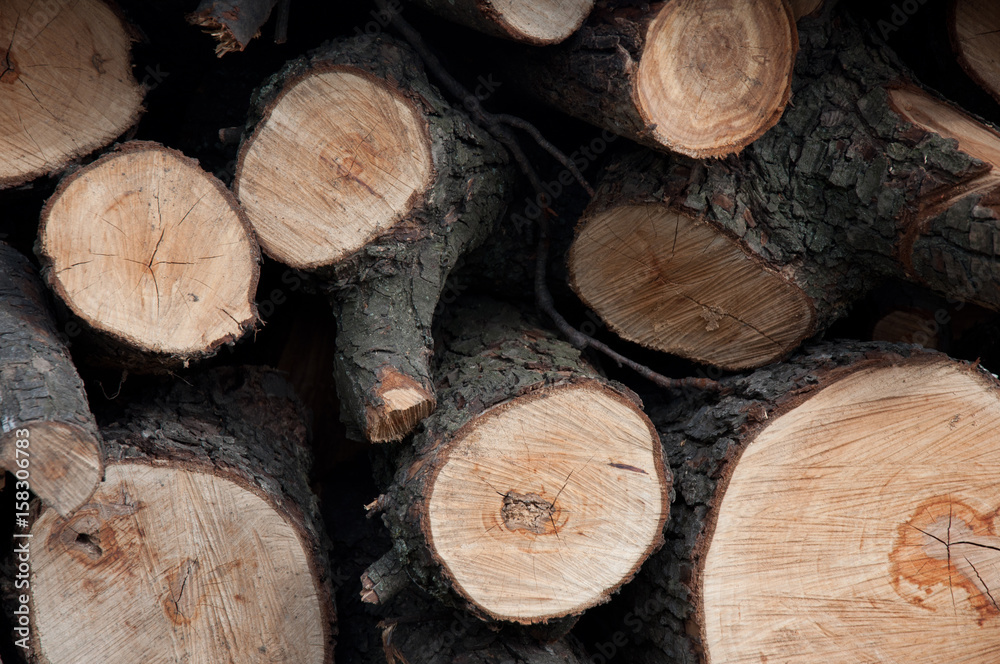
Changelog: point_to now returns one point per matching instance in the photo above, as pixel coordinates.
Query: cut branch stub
(702, 78)
(845, 500)
(358, 170)
(975, 36)
(668, 281)
(154, 253)
(536, 489)
(204, 540)
(532, 22)
(66, 85)
(42, 399)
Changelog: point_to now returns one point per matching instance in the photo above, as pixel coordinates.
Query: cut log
(42, 399)
(204, 541)
(803, 8)
(152, 253)
(702, 78)
(538, 23)
(66, 85)
(736, 263)
(836, 508)
(360, 171)
(975, 36)
(232, 23)
(534, 491)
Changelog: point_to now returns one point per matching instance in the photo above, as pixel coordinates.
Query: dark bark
(843, 193)
(703, 437)
(489, 355)
(385, 295)
(42, 394)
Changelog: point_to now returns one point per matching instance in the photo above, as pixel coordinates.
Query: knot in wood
(529, 512)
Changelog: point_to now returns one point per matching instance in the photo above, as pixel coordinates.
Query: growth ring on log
(337, 159)
(716, 74)
(66, 85)
(148, 248)
(669, 282)
(228, 578)
(862, 524)
(546, 504)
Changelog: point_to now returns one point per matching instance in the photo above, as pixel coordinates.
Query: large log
(42, 399)
(534, 491)
(153, 255)
(734, 263)
(532, 22)
(700, 77)
(204, 542)
(358, 169)
(837, 508)
(66, 85)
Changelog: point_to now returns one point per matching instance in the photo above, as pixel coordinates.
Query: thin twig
(555, 152)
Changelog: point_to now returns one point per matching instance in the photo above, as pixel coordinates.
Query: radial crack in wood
(66, 85)
(152, 252)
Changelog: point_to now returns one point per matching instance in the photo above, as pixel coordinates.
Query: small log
(534, 491)
(703, 78)
(838, 507)
(66, 85)
(358, 170)
(204, 541)
(537, 23)
(736, 263)
(232, 23)
(152, 254)
(42, 399)
(974, 26)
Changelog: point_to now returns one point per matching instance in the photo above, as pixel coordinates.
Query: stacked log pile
(292, 366)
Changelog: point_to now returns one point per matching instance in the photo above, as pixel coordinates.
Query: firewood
(152, 254)
(975, 36)
(204, 541)
(66, 85)
(358, 170)
(42, 399)
(803, 8)
(735, 263)
(835, 508)
(534, 491)
(539, 23)
(702, 78)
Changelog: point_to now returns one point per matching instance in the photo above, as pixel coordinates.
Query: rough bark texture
(703, 436)
(233, 23)
(384, 296)
(41, 392)
(489, 355)
(242, 424)
(841, 194)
